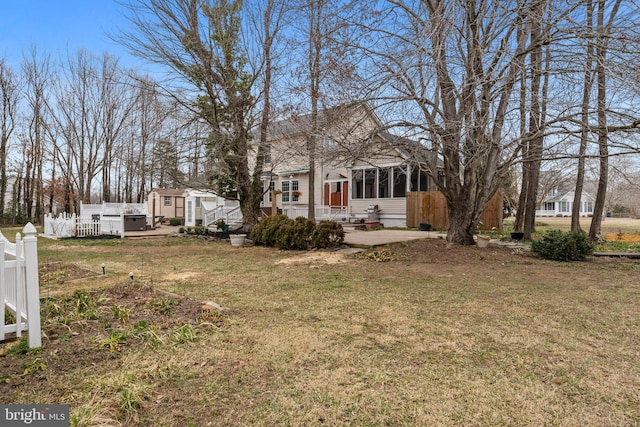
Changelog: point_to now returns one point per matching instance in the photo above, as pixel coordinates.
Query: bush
(326, 234)
(284, 233)
(560, 246)
(264, 232)
(175, 221)
(201, 230)
(301, 233)
(295, 234)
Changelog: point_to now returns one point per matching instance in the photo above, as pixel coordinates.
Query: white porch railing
(295, 211)
(230, 213)
(19, 286)
(332, 213)
(234, 215)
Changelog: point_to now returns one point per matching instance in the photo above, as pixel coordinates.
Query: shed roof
(169, 191)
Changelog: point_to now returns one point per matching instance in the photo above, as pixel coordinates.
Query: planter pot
(425, 226)
(517, 235)
(237, 240)
(483, 241)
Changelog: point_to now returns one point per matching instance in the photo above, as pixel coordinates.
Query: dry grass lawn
(441, 336)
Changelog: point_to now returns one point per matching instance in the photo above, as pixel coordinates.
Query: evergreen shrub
(284, 233)
(563, 246)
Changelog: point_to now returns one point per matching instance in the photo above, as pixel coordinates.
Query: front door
(179, 207)
(337, 193)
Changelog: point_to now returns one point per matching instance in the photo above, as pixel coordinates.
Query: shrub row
(563, 246)
(284, 233)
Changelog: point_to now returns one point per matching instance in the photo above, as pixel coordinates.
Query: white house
(559, 202)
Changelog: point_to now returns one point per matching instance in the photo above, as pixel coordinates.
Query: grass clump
(563, 246)
(132, 396)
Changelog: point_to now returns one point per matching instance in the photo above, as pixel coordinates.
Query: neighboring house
(559, 201)
(387, 167)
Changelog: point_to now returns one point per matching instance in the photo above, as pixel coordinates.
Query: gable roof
(410, 149)
(301, 124)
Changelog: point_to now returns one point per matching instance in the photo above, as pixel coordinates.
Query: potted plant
(222, 225)
(296, 193)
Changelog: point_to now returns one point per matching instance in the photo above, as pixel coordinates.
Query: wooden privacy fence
(19, 286)
(431, 207)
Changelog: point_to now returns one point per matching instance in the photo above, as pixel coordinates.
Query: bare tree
(603, 30)
(92, 107)
(202, 43)
(10, 95)
(323, 74)
(116, 104)
(453, 66)
(584, 117)
(533, 141)
(38, 72)
(270, 21)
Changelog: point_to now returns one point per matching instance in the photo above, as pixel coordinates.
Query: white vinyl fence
(19, 286)
(66, 225)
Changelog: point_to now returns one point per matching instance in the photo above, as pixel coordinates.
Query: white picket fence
(19, 286)
(66, 225)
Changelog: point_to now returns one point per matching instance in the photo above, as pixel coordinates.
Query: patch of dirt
(56, 273)
(319, 257)
(438, 251)
(93, 329)
(180, 276)
(622, 237)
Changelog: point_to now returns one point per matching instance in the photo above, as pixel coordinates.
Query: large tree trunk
(603, 133)
(463, 221)
(535, 134)
(584, 118)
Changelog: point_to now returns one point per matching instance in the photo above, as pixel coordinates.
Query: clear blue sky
(56, 26)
